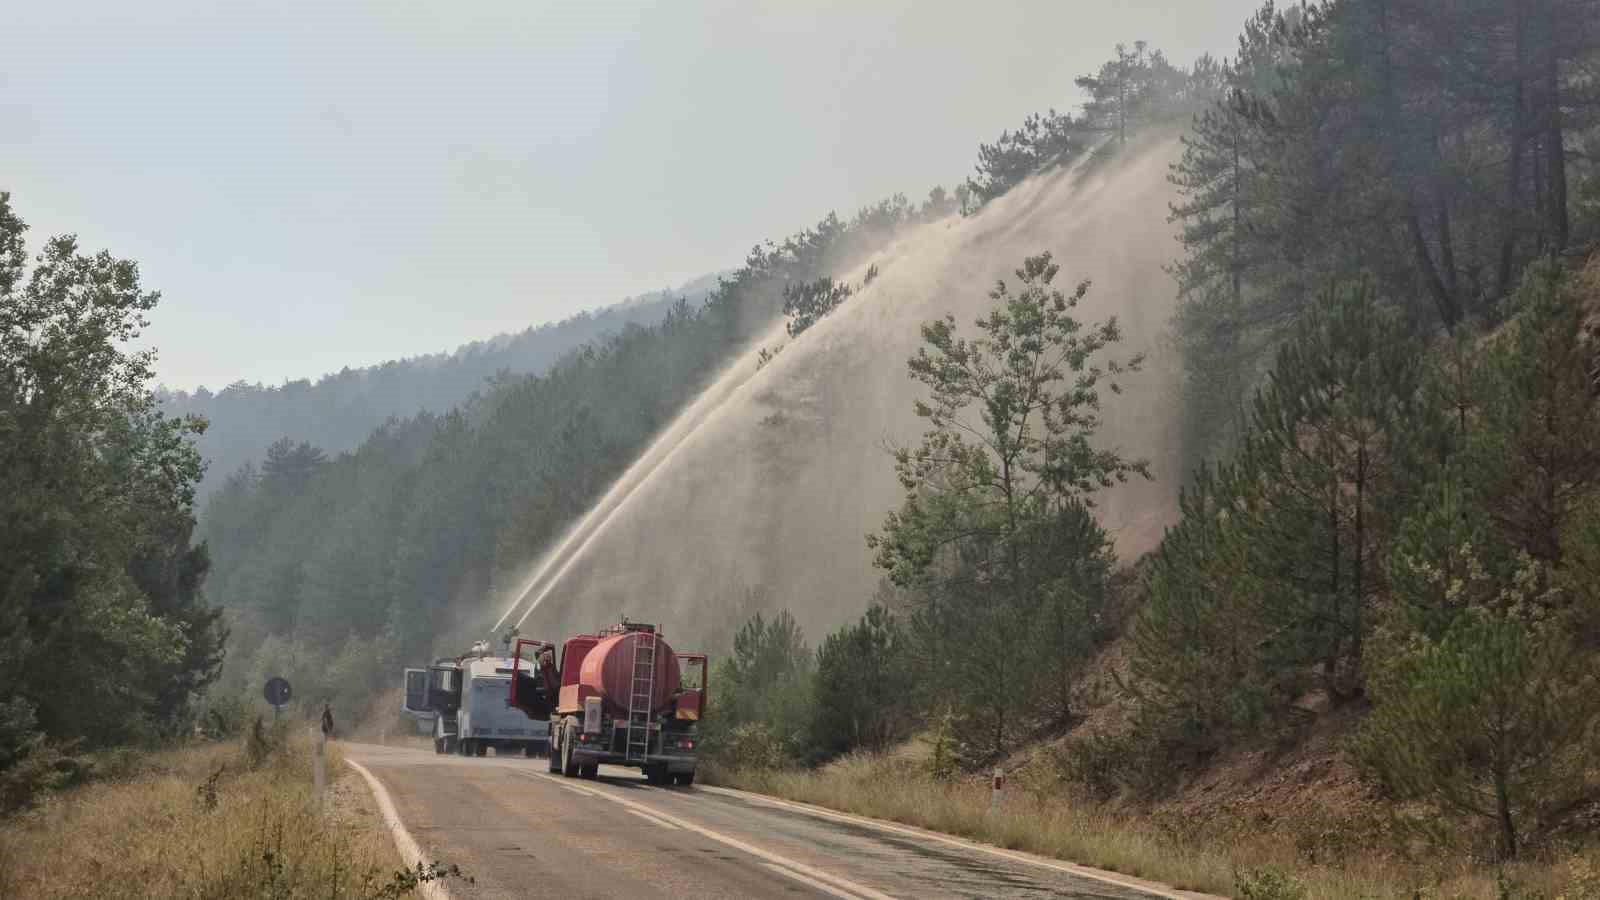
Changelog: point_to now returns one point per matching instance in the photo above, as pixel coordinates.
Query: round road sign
(277, 691)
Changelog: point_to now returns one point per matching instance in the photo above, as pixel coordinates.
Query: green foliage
(945, 759)
(1329, 151)
(1105, 764)
(764, 695)
(1265, 587)
(1041, 143)
(1537, 416)
(995, 540)
(1495, 718)
(753, 746)
(334, 568)
(864, 686)
(1412, 525)
(338, 411)
(805, 302)
(1133, 89)
(97, 573)
(264, 742)
(30, 765)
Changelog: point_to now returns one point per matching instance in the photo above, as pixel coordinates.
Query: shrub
(1269, 883)
(753, 745)
(263, 742)
(30, 766)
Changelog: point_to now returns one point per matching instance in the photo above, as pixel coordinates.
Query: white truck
(469, 700)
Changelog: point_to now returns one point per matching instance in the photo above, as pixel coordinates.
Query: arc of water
(632, 479)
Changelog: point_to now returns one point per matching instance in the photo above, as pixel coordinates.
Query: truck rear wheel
(569, 766)
(590, 771)
(479, 748)
(656, 774)
(683, 778)
(466, 746)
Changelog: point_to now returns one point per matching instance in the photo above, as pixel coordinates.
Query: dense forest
(338, 411)
(1387, 220)
(336, 569)
(100, 581)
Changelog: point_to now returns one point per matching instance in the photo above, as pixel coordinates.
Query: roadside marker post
(997, 794)
(319, 775)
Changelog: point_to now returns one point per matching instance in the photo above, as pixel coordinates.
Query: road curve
(521, 832)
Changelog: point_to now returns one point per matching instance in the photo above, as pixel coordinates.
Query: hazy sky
(313, 185)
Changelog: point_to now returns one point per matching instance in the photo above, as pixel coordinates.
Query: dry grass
(160, 832)
(1047, 821)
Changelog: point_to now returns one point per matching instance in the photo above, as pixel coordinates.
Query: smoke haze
(759, 496)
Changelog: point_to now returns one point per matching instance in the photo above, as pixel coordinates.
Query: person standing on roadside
(327, 721)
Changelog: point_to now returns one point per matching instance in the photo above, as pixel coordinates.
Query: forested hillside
(337, 569)
(338, 411)
(1387, 277)
(100, 583)
(1376, 485)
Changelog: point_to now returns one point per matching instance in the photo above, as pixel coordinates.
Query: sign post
(277, 693)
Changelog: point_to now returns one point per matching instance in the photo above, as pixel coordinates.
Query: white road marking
(810, 882)
(1069, 868)
(839, 883)
(649, 818)
(410, 852)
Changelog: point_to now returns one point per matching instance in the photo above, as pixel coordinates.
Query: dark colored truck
(620, 696)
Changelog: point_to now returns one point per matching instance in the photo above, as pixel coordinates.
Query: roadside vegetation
(1388, 286)
(1044, 813)
(233, 818)
(1388, 551)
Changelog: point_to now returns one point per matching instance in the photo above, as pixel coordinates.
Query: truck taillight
(688, 744)
(583, 738)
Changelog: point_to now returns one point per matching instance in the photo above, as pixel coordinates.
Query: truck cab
(433, 700)
(468, 700)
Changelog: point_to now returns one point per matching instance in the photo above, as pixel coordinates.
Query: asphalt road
(522, 832)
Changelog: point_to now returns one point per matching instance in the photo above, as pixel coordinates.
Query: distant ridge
(339, 410)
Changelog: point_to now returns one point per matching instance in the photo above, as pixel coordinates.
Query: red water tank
(608, 670)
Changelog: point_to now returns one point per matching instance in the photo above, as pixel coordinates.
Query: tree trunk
(1443, 300)
(1357, 566)
(1508, 242)
(1554, 148)
(1330, 663)
(1508, 831)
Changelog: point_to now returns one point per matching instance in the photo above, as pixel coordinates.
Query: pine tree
(1006, 456)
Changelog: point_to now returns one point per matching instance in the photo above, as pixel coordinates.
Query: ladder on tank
(641, 696)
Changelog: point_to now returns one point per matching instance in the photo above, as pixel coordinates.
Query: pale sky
(314, 185)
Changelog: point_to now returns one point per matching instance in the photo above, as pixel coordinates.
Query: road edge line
(410, 851)
(838, 881)
(1156, 889)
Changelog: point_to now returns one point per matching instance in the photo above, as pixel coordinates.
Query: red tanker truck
(621, 696)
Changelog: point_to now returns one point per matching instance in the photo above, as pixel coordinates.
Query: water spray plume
(657, 453)
(758, 496)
